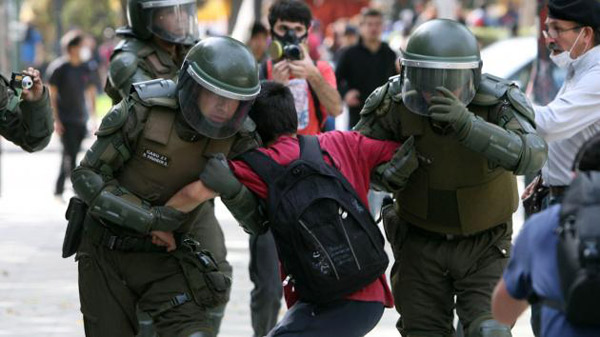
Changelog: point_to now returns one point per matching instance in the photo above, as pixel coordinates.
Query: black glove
(218, 177)
(166, 218)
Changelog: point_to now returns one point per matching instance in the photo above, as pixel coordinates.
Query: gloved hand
(448, 108)
(218, 177)
(402, 165)
(166, 218)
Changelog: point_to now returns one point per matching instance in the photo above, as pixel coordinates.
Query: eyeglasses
(555, 32)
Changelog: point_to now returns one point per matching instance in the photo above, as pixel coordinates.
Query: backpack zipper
(337, 276)
(342, 215)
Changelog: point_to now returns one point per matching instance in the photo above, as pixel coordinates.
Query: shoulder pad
(490, 90)
(375, 99)
(114, 119)
(124, 31)
(157, 92)
(395, 88)
(521, 103)
(122, 66)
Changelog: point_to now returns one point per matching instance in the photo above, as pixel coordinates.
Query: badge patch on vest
(156, 158)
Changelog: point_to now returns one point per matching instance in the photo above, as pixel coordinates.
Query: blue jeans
(344, 318)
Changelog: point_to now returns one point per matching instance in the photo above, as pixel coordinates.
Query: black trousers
(71, 140)
(265, 298)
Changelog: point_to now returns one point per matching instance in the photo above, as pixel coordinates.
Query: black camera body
(21, 81)
(292, 52)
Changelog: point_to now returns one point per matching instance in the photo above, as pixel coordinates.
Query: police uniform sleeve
(377, 119)
(94, 180)
(245, 206)
(512, 141)
(123, 71)
(27, 124)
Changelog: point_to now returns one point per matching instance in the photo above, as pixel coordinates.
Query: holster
(75, 215)
(395, 228)
(533, 203)
(209, 286)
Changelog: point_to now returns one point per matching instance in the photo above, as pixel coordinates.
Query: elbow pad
(495, 143)
(246, 209)
(87, 184)
(535, 154)
(122, 212)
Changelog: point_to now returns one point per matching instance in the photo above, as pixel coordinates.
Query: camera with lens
(290, 51)
(21, 81)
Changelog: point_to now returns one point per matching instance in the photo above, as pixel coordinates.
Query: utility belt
(82, 223)
(445, 236)
(101, 235)
(558, 191)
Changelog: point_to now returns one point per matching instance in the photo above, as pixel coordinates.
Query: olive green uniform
(451, 229)
(143, 155)
(136, 60)
(27, 124)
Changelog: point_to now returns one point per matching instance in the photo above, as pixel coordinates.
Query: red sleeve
(247, 177)
(374, 151)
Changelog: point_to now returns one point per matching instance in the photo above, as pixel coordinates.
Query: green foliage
(91, 16)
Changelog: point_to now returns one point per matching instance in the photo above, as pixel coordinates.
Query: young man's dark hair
(274, 99)
(74, 42)
(71, 39)
(588, 156)
(367, 11)
(290, 10)
(258, 28)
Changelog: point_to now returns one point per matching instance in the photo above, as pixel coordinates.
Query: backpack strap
(310, 150)
(266, 168)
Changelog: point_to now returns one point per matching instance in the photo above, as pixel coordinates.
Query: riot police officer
(158, 36)
(25, 114)
(155, 42)
(450, 225)
(150, 145)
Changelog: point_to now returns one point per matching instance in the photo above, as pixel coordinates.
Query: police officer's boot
(215, 315)
(486, 327)
(201, 334)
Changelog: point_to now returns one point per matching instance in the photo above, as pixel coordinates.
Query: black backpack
(578, 251)
(327, 241)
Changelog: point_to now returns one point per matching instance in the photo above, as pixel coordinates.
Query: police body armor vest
(456, 191)
(163, 162)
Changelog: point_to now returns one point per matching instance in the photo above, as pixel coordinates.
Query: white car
(511, 59)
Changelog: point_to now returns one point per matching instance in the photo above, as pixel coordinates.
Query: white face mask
(85, 54)
(564, 59)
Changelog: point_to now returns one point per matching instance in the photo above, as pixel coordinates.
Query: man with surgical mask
(572, 35)
(72, 96)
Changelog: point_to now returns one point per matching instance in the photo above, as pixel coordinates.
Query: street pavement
(38, 289)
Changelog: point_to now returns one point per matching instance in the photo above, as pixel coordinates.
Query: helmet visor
(209, 113)
(174, 21)
(419, 86)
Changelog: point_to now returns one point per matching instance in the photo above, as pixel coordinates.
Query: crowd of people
(194, 119)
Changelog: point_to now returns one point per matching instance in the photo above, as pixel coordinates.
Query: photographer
(25, 113)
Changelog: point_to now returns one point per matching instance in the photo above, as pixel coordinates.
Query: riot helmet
(175, 21)
(439, 53)
(217, 86)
